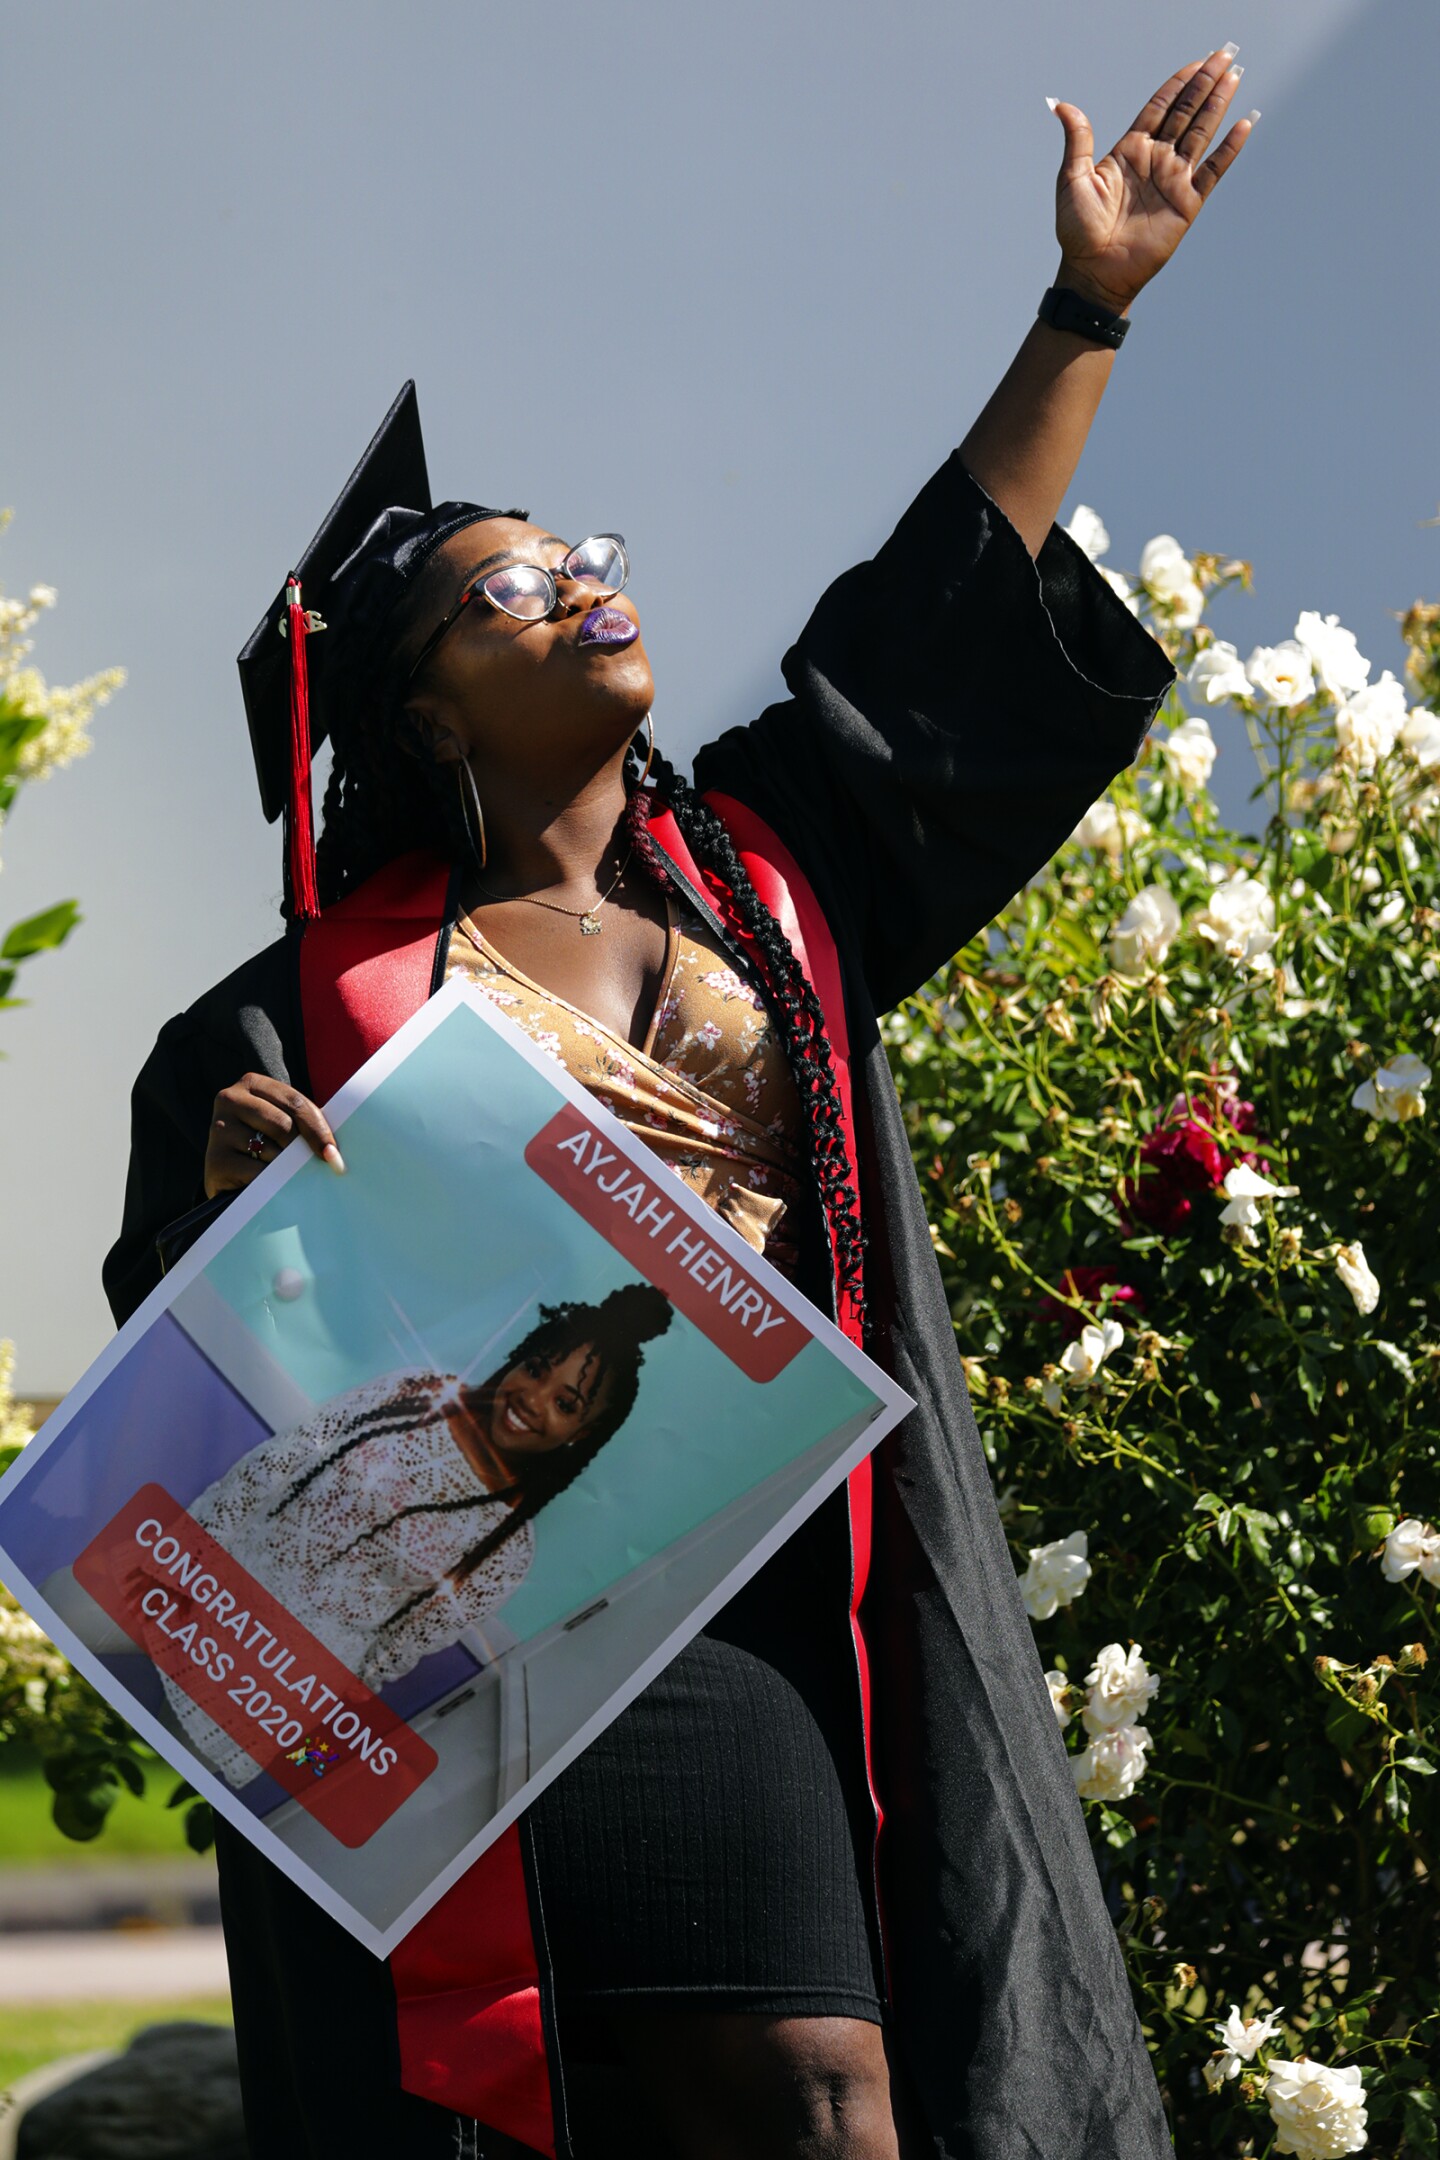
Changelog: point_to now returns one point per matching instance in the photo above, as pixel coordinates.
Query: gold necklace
(588, 918)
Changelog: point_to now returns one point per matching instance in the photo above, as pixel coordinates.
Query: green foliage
(42, 727)
(1240, 1456)
(38, 933)
(87, 1752)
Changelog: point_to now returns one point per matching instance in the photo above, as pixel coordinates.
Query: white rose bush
(88, 1753)
(42, 727)
(1176, 1119)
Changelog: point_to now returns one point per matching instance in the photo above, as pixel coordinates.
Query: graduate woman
(825, 1888)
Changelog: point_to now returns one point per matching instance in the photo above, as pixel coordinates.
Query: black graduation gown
(954, 708)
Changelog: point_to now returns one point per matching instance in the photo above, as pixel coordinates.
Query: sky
(731, 281)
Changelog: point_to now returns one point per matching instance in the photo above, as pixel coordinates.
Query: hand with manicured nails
(250, 1124)
(1120, 221)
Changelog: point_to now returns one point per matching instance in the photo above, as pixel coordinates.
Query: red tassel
(300, 825)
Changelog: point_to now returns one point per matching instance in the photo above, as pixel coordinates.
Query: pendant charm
(590, 926)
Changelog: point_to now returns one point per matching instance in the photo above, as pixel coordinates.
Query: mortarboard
(375, 538)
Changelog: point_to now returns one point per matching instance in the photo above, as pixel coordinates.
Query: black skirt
(713, 1847)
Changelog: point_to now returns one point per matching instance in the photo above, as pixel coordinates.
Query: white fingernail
(1235, 74)
(335, 1159)
(1229, 51)
(1052, 103)
(1252, 117)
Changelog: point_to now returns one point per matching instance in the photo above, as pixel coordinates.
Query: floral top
(710, 1090)
(389, 1506)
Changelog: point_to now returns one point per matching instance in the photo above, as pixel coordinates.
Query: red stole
(467, 1977)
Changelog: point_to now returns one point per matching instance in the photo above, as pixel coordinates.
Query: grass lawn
(36, 2034)
(144, 1827)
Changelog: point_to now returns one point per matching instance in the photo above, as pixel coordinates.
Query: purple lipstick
(608, 626)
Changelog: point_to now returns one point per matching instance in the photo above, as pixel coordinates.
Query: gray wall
(731, 279)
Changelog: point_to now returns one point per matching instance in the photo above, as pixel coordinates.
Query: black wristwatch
(1065, 310)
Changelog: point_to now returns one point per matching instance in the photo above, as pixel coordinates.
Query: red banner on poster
(636, 1215)
(301, 1715)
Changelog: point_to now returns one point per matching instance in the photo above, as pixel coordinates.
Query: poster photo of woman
(403, 1483)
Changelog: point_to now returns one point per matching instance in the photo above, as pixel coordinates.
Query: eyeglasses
(529, 592)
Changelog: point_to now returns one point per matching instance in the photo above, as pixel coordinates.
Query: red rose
(1184, 1155)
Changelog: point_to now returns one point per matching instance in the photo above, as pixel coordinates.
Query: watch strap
(1065, 310)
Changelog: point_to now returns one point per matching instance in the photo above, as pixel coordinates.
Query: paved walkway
(114, 1966)
(99, 1894)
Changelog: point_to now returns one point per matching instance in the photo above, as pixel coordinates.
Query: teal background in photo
(436, 1248)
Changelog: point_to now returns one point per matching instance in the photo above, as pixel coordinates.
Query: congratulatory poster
(402, 1484)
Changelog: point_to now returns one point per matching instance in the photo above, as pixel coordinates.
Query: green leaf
(1345, 1726)
(1116, 1829)
(200, 1827)
(1394, 1355)
(130, 1774)
(81, 1815)
(1071, 935)
(1312, 1379)
(1422, 2121)
(1312, 861)
(16, 729)
(42, 932)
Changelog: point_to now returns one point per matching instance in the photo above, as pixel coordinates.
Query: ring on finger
(256, 1145)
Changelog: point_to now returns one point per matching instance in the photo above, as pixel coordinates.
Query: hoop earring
(472, 817)
(649, 753)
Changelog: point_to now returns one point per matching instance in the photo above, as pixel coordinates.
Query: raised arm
(1118, 222)
(958, 702)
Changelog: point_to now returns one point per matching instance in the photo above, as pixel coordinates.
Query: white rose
(1421, 736)
(1411, 1544)
(1218, 672)
(1110, 829)
(1121, 587)
(1354, 1271)
(1057, 1574)
(1088, 532)
(1146, 931)
(1319, 2113)
(1244, 1190)
(1340, 667)
(1082, 1359)
(1397, 1092)
(1389, 909)
(1190, 751)
(1239, 919)
(1121, 1687)
(1242, 2039)
(1113, 1764)
(1059, 1687)
(1167, 576)
(1280, 674)
(1370, 722)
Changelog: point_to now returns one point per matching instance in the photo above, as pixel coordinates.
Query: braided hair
(382, 801)
(789, 997)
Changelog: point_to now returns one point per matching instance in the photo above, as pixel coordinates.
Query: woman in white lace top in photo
(400, 1513)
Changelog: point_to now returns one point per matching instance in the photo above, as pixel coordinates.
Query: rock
(173, 2095)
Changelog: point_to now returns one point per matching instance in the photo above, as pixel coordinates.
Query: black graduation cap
(319, 639)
